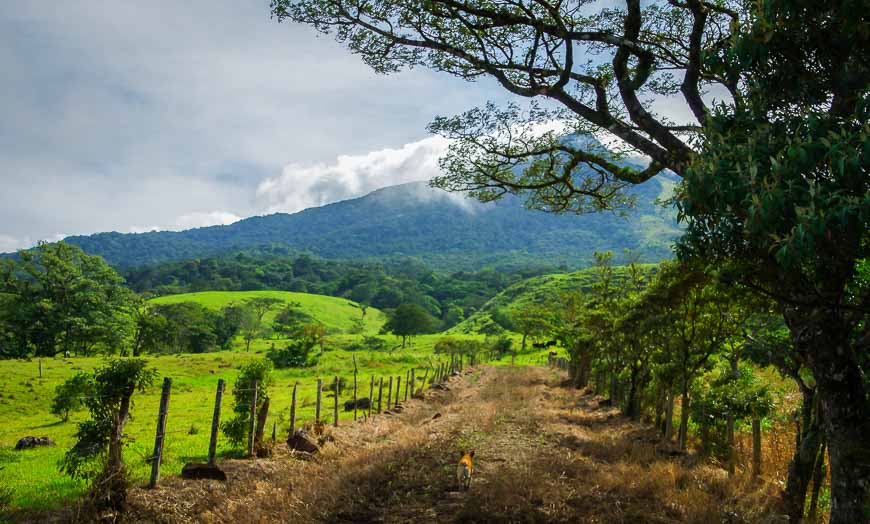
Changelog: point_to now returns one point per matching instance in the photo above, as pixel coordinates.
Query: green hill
(337, 314)
(537, 290)
(446, 231)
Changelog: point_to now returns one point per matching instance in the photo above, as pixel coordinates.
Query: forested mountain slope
(447, 231)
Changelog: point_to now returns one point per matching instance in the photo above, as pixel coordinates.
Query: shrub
(294, 355)
(236, 429)
(70, 395)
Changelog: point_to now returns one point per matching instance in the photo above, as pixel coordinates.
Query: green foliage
(369, 343)
(55, 298)
(70, 395)
(293, 355)
(185, 327)
(502, 345)
(457, 346)
(725, 395)
(448, 237)
(408, 320)
(236, 429)
(290, 320)
(108, 399)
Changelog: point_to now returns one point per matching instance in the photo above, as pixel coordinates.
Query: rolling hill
(337, 314)
(543, 289)
(447, 231)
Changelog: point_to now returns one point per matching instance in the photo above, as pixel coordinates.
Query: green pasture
(25, 401)
(337, 314)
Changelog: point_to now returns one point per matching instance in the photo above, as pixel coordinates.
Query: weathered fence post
(756, 448)
(398, 390)
(252, 426)
(371, 395)
(293, 410)
(40, 368)
(414, 383)
(215, 422)
(335, 404)
(380, 393)
(317, 405)
(390, 392)
(160, 433)
(408, 383)
(354, 388)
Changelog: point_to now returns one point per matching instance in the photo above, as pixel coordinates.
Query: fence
(413, 380)
(667, 428)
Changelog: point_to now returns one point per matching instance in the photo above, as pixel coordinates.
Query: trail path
(544, 453)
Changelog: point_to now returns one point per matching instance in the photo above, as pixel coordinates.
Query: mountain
(447, 231)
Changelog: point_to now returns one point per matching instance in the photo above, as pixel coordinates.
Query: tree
(315, 333)
(109, 393)
(776, 172)
(409, 320)
(59, 299)
(290, 320)
(531, 320)
(260, 370)
(70, 395)
(255, 310)
(228, 325)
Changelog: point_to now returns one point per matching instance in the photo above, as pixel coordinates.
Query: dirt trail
(544, 453)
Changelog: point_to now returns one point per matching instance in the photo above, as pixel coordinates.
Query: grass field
(337, 314)
(25, 399)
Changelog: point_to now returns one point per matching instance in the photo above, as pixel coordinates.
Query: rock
(196, 471)
(361, 403)
(33, 442)
(299, 441)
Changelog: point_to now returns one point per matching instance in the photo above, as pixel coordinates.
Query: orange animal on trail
(465, 469)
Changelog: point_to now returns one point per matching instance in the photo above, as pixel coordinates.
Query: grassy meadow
(25, 398)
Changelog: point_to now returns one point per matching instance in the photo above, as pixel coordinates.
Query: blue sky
(131, 116)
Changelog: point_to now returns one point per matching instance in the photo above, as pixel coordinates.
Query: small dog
(465, 469)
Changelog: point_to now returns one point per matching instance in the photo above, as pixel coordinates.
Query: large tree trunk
(823, 337)
(800, 469)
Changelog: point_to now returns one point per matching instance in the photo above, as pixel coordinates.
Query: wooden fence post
(317, 405)
(335, 404)
(407, 383)
(756, 448)
(252, 426)
(413, 383)
(160, 433)
(398, 389)
(371, 395)
(354, 388)
(40, 368)
(390, 392)
(293, 410)
(215, 422)
(380, 394)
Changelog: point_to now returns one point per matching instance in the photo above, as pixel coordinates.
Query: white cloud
(8, 243)
(301, 186)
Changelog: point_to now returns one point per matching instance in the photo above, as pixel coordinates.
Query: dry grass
(543, 454)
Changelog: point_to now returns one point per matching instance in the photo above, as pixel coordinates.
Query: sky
(134, 116)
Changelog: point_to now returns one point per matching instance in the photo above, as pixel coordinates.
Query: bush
(70, 395)
(369, 343)
(236, 429)
(294, 355)
(741, 397)
(502, 345)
